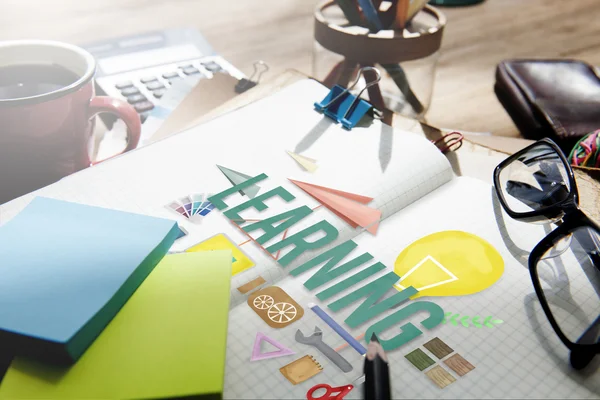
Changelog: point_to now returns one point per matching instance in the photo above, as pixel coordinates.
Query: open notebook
(446, 236)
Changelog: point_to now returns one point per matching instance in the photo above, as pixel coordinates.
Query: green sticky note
(168, 340)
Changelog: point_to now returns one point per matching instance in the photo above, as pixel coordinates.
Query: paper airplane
(236, 178)
(308, 164)
(257, 355)
(520, 172)
(348, 206)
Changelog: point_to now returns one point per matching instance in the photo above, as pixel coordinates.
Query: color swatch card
(167, 341)
(193, 207)
(66, 271)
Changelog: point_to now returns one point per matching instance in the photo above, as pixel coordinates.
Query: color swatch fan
(193, 207)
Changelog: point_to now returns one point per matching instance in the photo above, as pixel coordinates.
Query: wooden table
(280, 32)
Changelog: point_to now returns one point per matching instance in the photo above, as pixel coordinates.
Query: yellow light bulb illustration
(448, 263)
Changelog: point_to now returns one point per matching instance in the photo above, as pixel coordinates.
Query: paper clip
(245, 84)
(346, 108)
(450, 142)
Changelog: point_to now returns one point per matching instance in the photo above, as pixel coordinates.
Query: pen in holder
(407, 58)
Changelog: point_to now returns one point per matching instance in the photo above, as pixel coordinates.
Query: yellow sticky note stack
(169, 340)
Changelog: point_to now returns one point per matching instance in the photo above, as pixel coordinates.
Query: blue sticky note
(67, 269)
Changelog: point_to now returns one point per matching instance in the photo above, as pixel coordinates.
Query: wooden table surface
(280, 32)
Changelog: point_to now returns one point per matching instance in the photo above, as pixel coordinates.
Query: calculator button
(190, 70)
(159, 93)
(123, 85)
(169, 75)
(129, 91)
(136, 98)
(148, 79)
(155, 85)
(212, 66)
(143, 106)
(186, 66)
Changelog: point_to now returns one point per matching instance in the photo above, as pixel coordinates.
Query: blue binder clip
(346, 108)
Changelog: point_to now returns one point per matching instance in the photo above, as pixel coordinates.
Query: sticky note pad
(241, 261)
(168, 341)
(66, 271)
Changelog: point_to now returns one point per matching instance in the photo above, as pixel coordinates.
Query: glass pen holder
(406, 59)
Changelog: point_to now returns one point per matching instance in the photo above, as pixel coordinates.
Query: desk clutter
(90, 296)
(141, 68)
(265, 276)
(400, 38)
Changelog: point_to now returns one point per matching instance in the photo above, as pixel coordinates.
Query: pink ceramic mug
(47, 114)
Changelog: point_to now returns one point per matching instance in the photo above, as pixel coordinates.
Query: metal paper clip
(344, 107)
(449, 142)
(245, 84)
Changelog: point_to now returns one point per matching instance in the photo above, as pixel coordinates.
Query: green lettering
(334, 256)
(331, 258)
(352, 280)
(324, 275)
(301, 245)
(374, 291)
(290, 218)
(258, 202)
(408, 331)
(217, 199)
(370, 308)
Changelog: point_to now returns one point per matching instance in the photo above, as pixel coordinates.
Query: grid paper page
(520, 358)
(395, 168)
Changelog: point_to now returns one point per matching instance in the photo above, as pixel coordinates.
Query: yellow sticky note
(169, 340)
(240, 261)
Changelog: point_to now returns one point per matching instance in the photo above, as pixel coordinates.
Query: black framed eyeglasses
(537, 184)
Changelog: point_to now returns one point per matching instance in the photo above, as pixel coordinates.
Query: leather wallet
(559, 99)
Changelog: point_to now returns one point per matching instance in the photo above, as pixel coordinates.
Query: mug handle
(123, 110)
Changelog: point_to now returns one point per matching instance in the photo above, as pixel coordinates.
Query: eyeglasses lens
(536, 180)
(569, 274)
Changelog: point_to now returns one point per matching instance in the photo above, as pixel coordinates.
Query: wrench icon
(316, 340)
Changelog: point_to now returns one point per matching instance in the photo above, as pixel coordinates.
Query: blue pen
(338, 329)
(371, 15)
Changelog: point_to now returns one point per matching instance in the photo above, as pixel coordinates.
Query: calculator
(140, 68)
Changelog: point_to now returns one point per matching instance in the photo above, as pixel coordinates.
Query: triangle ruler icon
(257, 355)
(350, 207)
(308, 164)
(235, 178)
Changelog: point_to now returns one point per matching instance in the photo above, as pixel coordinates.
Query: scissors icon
(332, 393)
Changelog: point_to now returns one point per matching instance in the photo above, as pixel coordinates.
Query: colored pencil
(338, 329)
(401, 14)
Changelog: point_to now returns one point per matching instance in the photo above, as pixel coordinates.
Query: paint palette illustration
(275, 307)
(193, 207)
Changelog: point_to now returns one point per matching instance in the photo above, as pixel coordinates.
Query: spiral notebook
(379, 212)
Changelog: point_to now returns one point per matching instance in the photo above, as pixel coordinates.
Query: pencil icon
(338, 329)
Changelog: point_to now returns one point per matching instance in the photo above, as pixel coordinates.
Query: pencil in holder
(406, 58)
